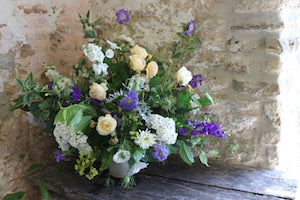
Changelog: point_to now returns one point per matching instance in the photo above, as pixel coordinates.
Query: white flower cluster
(165, 128)
(62, 82)
(65, 136)
(139, 82)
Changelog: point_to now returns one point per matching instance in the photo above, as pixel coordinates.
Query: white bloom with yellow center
(145, 139)
(184, 76)
(121, 156)
(106, 125)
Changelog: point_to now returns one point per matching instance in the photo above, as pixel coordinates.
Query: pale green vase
(118, 170)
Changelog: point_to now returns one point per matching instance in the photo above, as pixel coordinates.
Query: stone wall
(31, 32)
(239, 56)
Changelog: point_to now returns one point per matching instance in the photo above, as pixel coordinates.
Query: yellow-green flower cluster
(85, 162)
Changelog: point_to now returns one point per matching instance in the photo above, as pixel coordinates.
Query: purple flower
(182, 131)
(58, 156)
(196, 79)
(191, 27)
(160, 152)
(96, 102)
(50, 85)
(129, 102)
(122, 16)
(75, 94)
(212, 129)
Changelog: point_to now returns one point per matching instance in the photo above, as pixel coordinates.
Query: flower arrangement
(122, 104)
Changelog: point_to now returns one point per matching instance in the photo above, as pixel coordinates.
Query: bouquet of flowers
(123, 105)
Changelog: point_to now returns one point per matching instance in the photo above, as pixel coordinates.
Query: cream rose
(137, 50)
(98, 91)
(137, 63)
(106, 125)
(184, 76)
(152, 69)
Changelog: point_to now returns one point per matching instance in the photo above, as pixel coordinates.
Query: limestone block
(256, 6)
(7, 60)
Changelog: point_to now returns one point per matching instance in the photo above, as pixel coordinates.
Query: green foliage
(186, 154)
(203, 158)
(34, 167)
(44, 191)
(14, 196)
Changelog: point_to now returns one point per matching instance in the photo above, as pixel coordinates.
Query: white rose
(106, 125)
(98, 91)
(137, 50)
(184, 76)
(137, 63)
(100, 68)
(152, 69)
(109, 53)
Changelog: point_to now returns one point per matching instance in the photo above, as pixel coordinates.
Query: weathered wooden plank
(241, 178)
(71, 186)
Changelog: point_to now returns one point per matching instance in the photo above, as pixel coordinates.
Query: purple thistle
(122, 16)
(129, 102)
(160, 152)
(59, 156)
(96, 102)
(182, 131)
(191, 27)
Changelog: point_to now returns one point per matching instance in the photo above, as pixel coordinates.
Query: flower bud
(152, 69)
(98, 91)
(137, 63)
(137, 50)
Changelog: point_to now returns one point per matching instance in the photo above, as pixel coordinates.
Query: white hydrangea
(52, 74)
(100, 68)
(66, 137)
(165, 128)
(145, 139)
(93, 52)
(64, 83)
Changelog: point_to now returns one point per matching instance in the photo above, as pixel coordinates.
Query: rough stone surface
(239, 56)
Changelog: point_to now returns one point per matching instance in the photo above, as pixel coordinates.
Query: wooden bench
(175, 181)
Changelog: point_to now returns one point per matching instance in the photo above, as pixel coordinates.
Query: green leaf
(197, 42)
(89, 34)
(14, 196)
(184, 97)
(84, 122)
(57, 173)
(29, 81)
(95, 23)
(45, 105)
(18, 103)
(209, 97)
(155, 82)
(138, 154)
(20, 83)
(186, 154)
(34, 167)
(181, 34)
(44, 191)
(87, 14)
(59, 116)
(214, 153)
(75, 118)
(27, 99)
(203, 158)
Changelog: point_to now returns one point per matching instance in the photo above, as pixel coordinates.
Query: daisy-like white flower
(145, 139)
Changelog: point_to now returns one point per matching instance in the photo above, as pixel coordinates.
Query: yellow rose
(184, 76)
(98, 91)
(137, 63)
(137, 50)
(152, 69)
(106, 125)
